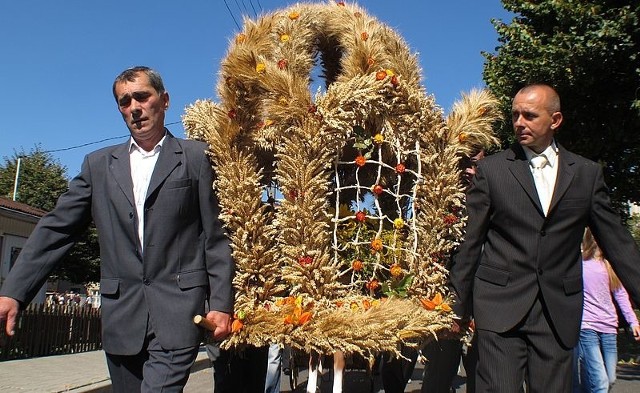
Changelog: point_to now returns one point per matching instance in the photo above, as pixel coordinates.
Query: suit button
(540, 271)
(146, 281)
(543, 233)
(131, 215)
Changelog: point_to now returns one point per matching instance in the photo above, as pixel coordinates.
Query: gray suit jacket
(512, 252)
(186, 261)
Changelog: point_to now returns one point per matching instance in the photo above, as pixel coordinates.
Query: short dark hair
(130, 75)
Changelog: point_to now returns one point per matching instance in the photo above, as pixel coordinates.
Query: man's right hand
(8, 312)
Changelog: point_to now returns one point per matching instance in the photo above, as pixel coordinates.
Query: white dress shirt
(545, 183)
(142, 164)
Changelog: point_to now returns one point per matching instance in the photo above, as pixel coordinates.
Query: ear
(165, 98)
(556, 120)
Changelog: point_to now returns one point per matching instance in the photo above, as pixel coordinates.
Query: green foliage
(589, 51)
(633, 223)
(41, 181)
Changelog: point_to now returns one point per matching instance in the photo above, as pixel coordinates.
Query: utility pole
(17, 179)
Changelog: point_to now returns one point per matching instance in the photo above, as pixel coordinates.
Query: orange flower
(236, 326)
(380, 75)
(364, 35)
(366, 304)
(376, 245)
(462, 137)
(240, 38)
(298, 318)
(373, 285)
(360, 161)
(436, 303)
(294, 15)
(371, 61)
(357, 265)
(400, 168)
(395, 270)
(304, 317)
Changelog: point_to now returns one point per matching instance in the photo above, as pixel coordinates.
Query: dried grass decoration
(350, 254)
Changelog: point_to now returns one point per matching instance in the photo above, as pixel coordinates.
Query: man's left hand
(223, 324)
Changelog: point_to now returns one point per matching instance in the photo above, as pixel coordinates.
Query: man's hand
(8, 312)
(222, 322)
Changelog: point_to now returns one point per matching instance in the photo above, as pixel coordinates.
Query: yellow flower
(378, 138)
(261, 68)
(389, 72)
(294, 15)
(395, 270)
(240, 38)
(284, 38)
(398, 223)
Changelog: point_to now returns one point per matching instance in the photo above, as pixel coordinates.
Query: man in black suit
(164, 254)
(518, 271)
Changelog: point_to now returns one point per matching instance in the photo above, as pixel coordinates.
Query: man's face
(142, 108)
(533, 123)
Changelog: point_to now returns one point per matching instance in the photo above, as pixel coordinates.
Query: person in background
(518, 271)
(596, 354)
(164, 254)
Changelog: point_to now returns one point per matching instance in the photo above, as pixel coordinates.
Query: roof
(21, 207)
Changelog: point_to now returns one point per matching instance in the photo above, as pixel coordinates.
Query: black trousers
(242, 371)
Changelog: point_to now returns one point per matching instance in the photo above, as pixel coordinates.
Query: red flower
(360, 216)
(360, 161)
(283, 64)
(378, 189)
(450, 219)
(400, 168)
(305, 260)
(232, 113)
(340, 3)
(394, 80)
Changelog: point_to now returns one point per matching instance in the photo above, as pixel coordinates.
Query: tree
(589, 51)
(41, 181)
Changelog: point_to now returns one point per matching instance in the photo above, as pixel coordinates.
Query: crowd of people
(518, 276)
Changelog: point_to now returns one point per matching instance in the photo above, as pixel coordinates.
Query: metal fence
(51, 330)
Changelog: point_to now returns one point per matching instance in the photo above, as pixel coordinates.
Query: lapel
(519, 167)
(566, 172)
(170, 157)
(121, 170)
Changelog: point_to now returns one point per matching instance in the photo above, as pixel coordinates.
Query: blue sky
(59, 59)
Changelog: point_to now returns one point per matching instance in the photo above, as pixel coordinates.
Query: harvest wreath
(348, 253)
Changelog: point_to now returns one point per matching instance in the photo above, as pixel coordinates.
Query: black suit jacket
(186, 260)
(512, 252)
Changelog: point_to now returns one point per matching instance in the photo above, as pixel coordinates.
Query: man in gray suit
(518, 271)
(164, 254)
